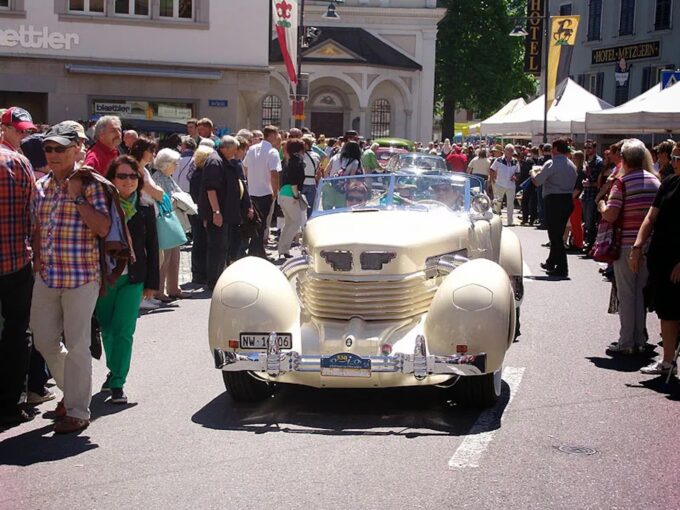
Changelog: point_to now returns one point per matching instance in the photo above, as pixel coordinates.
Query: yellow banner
(563, 31)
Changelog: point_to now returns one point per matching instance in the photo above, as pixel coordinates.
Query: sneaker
(118, 396)
(105, 386)
(615, 348)
(34, 398)
(70, 424)
(148, 304)
(659, 368)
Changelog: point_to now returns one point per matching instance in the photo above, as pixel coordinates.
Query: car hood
(413, 236)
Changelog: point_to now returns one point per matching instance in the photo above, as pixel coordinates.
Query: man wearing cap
(17, 124)
(107, 135)
(17, 186)
(70, 217)
(82, 138)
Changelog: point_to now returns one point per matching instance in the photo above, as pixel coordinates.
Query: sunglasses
(132, 177)
(675, 158)
(355, 198)
(60, 149)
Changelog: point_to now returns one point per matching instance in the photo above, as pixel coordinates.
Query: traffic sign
(669, 78)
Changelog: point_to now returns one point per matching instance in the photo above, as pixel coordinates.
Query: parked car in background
(404, 280)
(416, 163)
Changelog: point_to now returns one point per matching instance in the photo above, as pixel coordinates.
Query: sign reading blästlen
(533, 49)
(649, 49)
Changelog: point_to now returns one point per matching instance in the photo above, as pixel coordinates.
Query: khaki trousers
(54, 311)
(292, 215)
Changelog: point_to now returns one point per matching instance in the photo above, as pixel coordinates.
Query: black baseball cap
(61, 134)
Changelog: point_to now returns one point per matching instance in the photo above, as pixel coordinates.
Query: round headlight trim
(480, 203)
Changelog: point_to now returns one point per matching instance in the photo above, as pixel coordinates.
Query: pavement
(574, 427)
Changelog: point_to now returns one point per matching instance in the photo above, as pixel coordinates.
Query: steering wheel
(429, 201)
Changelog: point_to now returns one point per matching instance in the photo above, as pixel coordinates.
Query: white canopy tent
(566, 115)
(512, 106)
(655, 111)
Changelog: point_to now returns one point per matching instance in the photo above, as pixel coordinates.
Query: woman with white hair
(631, 196)
(165, 164)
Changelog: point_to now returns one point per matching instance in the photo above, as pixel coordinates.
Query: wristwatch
(216, 212)
(79, 200)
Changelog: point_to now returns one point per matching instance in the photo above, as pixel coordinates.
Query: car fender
(252, 295)
(473, 311)
(511, 260)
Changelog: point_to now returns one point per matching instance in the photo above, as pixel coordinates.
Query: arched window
(381, 116)
(271, 111)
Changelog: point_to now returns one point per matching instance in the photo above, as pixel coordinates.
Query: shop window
(627, 21)
(86, 6)
(381, 118)
(594, 20)
(662, 17)
(4, 4)
(271, 111)
(594, 83)
(180, 9)
(132, 7)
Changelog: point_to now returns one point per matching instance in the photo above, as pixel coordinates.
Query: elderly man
(107, 135)
(17, 186)
(262, 166)
(503, 175)
(130, 136)
(557, 177)
(369, 161)
(70, 219)
(16, 124)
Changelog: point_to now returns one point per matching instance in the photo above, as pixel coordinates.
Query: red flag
(286, 22)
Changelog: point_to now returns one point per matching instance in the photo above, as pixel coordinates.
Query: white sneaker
(35, 398)
(658, 368)
(155, 301)
(148, 304)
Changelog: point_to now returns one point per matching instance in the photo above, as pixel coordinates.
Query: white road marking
(470, 451)
(527, 272)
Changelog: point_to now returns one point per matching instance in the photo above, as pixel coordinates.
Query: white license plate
(260, 340)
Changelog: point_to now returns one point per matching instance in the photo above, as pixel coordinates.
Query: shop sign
(31, 38)
(170, 111)
(533, 49)
(650, 49)
(218, 103)
(112, 109)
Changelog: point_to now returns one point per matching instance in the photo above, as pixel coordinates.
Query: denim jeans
(309, 191)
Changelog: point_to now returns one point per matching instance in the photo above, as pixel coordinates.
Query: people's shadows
(547, 278)
(99, 407)
(658, 384)
(36, 446)
(622, 363)
(401, 412)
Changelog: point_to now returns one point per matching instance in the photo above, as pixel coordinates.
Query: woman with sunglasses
(117, 309)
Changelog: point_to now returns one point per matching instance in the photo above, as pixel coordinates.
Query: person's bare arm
(153, 189)
(215, 207)
(275, 183)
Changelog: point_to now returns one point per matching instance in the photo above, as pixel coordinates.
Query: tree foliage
(479, 66)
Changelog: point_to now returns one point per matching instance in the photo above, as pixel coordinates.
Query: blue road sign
(669, 78)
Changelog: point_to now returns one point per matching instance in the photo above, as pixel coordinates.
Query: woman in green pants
(117, 310)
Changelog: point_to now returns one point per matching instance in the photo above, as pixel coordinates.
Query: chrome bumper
(274, 362)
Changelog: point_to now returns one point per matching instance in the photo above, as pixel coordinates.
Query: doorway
(33, 102)
(330, 124)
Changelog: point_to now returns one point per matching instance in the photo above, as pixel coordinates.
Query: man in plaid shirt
(17, 186)
(70, 218)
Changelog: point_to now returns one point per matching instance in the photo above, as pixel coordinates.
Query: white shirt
(504, 171)
(479, 166)
(311, 160)
(182, 174)
(261, 160)
(337, 164)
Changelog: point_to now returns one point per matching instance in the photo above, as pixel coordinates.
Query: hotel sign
(533, 49)
(650, 49)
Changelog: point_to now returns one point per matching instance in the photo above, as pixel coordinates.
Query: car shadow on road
(402, 412)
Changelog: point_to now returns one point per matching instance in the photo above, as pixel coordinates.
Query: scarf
(129, 206)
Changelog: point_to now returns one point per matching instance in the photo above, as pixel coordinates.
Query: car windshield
(422, 162)
(394, 191)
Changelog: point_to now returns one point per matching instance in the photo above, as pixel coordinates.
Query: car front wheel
(479, 391)
(244, 387)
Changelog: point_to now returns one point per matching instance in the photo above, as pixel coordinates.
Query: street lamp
(519, 31)
(331, 13)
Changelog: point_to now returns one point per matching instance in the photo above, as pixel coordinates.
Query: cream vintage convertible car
(404, 280)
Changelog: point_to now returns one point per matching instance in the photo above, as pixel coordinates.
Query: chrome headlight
(480, 203)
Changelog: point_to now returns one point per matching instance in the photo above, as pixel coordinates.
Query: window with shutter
(565, 10)
(662, 17)
(594, 20)
(599, 85)
(627, 20)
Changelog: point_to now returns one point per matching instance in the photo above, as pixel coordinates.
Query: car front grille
(372, 300)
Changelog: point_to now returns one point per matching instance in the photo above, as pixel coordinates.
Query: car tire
(244, 387)
(479, 391)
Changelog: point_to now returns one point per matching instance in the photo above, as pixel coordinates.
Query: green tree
(479, 66)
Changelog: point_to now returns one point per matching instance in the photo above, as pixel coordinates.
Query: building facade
(155, 63)
(371, 71)
(622, 45)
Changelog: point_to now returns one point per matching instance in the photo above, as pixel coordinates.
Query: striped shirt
(640, 189)
(69, 250)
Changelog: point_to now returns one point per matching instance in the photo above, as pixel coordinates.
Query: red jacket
(457, 160)
(99, 157)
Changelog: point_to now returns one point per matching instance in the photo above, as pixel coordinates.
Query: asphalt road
(574, 428)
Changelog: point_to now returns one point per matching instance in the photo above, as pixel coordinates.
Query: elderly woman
(116, 310)
(631, 196)
(166, 164)
(663, 263)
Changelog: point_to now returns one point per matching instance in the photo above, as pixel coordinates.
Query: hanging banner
(560, 49)
(286, 23)
(533, 49)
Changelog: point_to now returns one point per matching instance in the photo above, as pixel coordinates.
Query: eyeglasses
(132, 177)
(355, 198)
(675, 158)
(60, 149)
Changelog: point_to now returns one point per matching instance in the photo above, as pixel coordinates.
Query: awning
(150, 72)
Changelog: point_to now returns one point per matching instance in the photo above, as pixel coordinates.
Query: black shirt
(293, 172)
(142, 228)
(221, 176)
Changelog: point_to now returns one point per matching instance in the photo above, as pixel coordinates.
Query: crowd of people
(93, 221)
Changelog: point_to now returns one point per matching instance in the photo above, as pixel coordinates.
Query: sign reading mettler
(533, 49)
(29, 37)
(637, 51)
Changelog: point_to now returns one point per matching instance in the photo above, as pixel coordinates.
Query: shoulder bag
(607, 246)
(170, 231)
